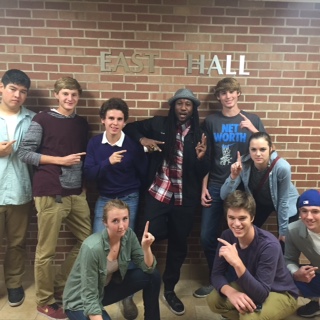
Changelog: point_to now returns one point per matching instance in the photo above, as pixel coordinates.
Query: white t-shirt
(11, 122)
(316, 240)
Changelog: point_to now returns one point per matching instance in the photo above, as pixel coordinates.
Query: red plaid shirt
(168, 182)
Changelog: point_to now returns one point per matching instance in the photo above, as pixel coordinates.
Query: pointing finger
(243, 116)
(204, 139)
(239, 157)
(146, 228)
(81, 154)
(120, 152)
(10, 143)
(158, 142)
(226, 243)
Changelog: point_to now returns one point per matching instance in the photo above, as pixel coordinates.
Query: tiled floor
(191, 278)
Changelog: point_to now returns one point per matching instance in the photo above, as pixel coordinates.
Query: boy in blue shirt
(15, 188)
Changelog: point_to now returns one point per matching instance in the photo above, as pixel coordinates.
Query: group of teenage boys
(186, 163)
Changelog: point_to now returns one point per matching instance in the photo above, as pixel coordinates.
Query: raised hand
(117, 156)
(147, 238)
(150, 144)
(236, 167)
(246, 123)
(6, 148)
(229, 252)
(201, 147)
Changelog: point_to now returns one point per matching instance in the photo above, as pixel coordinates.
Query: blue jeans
(210, 225)
(134, 281)
(78, 315)
(132, 201)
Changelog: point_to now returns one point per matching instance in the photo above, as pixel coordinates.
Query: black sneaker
(310, 310)
(203, 291)
(175, 304)
(128, 308)
(15, 297)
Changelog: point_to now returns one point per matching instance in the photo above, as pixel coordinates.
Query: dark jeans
(174, 223)
(78, 315)
(311, 289)
(263, 213)
(134, 280)
(211, 225)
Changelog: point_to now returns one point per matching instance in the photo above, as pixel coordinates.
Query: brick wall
(279, 41)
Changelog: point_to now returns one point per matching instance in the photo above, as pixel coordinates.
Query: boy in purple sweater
(262, 287)
(118, 165)
(55, 145)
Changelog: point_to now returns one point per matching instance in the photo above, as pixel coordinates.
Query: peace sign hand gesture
(236, 167)
(201, 147)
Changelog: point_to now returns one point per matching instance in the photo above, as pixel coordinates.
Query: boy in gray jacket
(304, 237)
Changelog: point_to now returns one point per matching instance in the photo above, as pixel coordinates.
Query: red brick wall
(280, 41)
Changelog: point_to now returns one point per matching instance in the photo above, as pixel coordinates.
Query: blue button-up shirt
(15, 180)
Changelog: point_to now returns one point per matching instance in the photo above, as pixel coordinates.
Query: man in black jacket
(178, 163)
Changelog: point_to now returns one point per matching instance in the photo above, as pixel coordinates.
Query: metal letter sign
(138, 61)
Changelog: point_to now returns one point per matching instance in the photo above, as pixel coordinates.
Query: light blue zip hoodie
(283, 193)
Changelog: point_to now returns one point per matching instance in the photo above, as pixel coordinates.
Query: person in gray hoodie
(268, 177)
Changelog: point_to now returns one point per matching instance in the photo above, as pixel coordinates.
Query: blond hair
(67, 83)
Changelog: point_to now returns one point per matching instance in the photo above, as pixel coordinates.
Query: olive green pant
(277, 306)
(74, 211)
(14, 222)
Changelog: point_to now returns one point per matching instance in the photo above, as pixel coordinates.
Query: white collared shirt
(118, 143)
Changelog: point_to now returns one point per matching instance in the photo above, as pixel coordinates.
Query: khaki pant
(14, 222)
(74, 211)
(277, 306)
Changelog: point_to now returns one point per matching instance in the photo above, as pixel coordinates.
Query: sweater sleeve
(30, 144)
(93, 169)
(229, 186)
(258, 287)
(284, 184)
(139, 129)
(140, 162)
(219, 269)
(261, 126)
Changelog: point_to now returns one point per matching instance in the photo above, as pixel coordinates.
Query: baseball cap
(309, 198)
